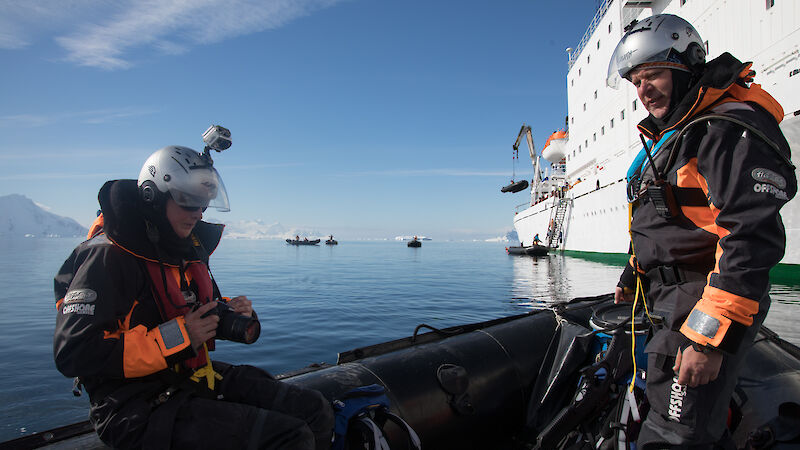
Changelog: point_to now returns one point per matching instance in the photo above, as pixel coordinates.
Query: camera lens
(238, 328)
(235, 327)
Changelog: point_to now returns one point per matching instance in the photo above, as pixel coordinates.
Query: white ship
(581, 197)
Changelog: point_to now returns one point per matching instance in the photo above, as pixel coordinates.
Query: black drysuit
(706, 268)
(112, 333)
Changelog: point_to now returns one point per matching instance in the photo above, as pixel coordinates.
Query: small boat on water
(480, 385)
(533, 250)
(536, 250)
(331, 241)
(302, 242)
(516, 250)
(414, 243)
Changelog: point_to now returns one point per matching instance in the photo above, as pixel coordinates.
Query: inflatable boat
(513, 383)
(414, 243)
(515, 187)
(533, 250)
(303, 242)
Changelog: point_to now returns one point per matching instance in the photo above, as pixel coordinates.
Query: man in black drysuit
(706, 228)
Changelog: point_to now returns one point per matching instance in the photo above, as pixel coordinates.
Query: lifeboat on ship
(555, 149)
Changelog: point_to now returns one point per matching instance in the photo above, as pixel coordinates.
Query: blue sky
(361, 118)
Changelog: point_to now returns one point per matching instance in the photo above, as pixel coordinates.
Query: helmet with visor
(663, 40)
(186, 176)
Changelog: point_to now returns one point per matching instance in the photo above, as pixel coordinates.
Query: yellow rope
(639, 291)
(206, 371)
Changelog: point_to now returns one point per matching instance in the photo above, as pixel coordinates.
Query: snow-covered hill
(511, 236)
(20, 217)
(256, 229)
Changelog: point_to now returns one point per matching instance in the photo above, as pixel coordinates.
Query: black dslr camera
(233, 326)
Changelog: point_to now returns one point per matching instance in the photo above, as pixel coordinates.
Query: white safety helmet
(663, 40)
(186, 175)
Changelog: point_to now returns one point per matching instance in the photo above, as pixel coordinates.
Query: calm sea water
(313, 302)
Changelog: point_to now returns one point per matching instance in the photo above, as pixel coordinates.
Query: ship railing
(522, 207)
(598, 16)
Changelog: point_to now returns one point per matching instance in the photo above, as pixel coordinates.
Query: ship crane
(525, 130)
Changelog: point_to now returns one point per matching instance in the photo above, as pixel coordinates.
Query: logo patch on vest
(80, 296)
(762, 175)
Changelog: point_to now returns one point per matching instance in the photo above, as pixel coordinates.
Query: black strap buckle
(669, 275)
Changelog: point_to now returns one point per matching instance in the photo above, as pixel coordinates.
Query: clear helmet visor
(202, 188)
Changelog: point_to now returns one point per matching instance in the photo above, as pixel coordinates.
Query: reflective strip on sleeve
(172, 336)
(703, 324)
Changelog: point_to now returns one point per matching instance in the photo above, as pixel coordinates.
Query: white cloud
(93, 117)
(430, 172)
(173, 27)
(24, 22)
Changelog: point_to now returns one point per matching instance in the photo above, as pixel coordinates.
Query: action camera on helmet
(217, 138)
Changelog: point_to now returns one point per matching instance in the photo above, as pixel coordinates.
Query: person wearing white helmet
(705, 191)
(139, 312)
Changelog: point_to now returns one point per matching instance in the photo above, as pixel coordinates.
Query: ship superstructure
(580, 204)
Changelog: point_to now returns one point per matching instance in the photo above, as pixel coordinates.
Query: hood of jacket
(724, 79)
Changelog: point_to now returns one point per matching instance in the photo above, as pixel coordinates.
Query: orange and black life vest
(173, 303)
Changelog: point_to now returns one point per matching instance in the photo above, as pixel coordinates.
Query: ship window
(609, 28)
(683, 2)
(595, 95)
(587, 143)
(579, 148)
(572, 82)
(634, 106)
(598, 44)
(572, 119)
(594, 137)
(770, 3)
(706, 47)
(584, 106)
(588, 59)
(573, 153)
(612, 122)
(579, 72)
(602, 131)
(622, 115)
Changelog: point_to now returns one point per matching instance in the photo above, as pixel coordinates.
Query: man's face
(654, 87)
(182, 220)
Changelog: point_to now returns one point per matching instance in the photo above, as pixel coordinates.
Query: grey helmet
(663, 40)
(186, 175)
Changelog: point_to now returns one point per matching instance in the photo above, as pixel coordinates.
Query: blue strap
(641, 158)
(353, 403)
